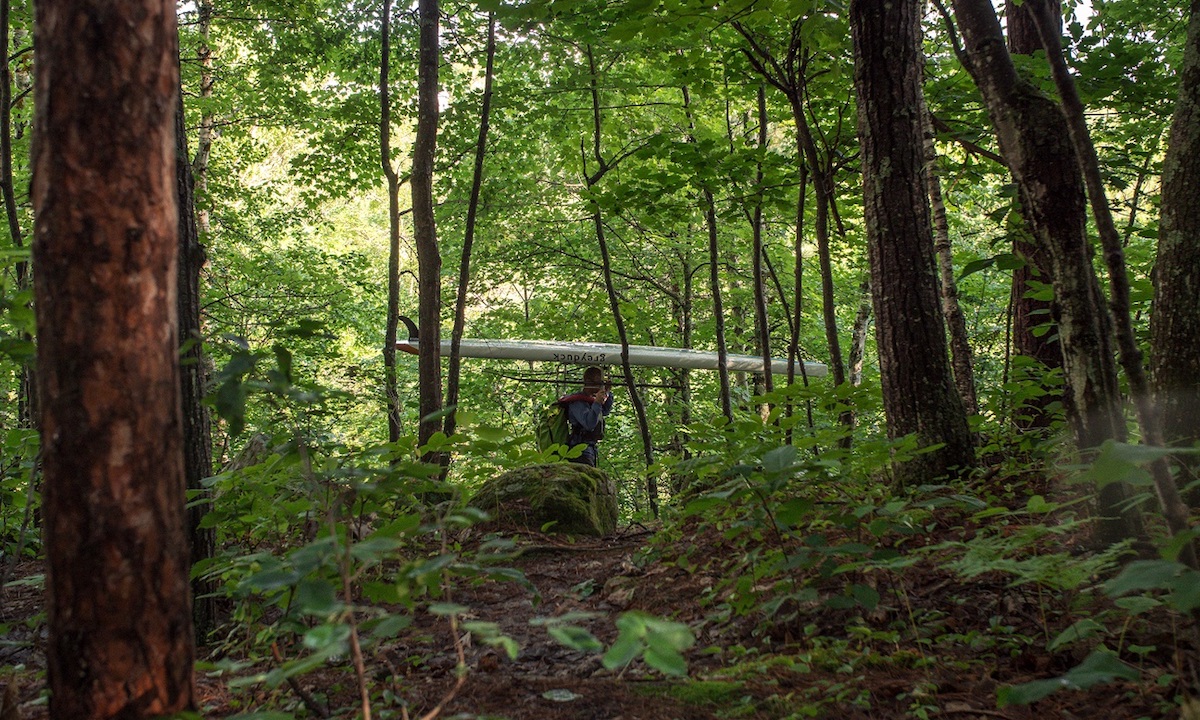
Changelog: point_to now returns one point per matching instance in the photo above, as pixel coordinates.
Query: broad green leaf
(576, 638)
(316, 597)
(1145, 575)
(666, 660)
(327, 636)
(622, 652)
(1084, 629)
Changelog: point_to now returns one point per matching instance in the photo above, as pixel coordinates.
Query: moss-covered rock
(578, 499)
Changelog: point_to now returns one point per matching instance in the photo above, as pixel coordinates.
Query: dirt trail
(548, 680)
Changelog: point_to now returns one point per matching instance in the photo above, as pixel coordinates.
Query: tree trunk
(429, 259)
(120, 627)
(789, 77)
(1175, 322)
(761, 326)
(197, 429)
(714, 277)
(858, 336)
(464, 268)
(714, 286)
(1030, 314)
(961, 357)
(918, 390)
(1130, 354)
(1034, 141)
(208, 123)
(391, 390)
(27, 394)
(591, 180)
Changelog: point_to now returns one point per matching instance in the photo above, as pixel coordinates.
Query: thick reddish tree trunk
(120, 626)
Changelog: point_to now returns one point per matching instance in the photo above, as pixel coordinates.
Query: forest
(249, 470)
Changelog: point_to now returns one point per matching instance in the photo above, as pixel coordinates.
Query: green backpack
(551, 426)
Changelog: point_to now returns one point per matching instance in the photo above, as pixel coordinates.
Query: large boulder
(577, 499)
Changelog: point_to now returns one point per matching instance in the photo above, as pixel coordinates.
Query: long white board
(589, 353)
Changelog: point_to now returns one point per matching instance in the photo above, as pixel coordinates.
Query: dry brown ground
(740, 668)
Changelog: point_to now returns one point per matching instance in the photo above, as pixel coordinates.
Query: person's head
(593, 380)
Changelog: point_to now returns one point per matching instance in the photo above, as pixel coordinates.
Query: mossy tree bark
(1035, 143)
(1175, 323)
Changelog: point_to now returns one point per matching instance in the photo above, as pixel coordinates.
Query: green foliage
(1100, 667)
(660, 643)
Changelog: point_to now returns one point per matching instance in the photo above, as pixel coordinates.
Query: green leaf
(866, 596)
(1100, 667)
(323, 637)
(1144, 575)
(316, 597)
(793, 511)
(976, 266)
(622, 652)
(1084, 629)
(492, 433)
(389, 626)
(576, 638)
(447, 608)
(283, 358)
(666, 660)
(780, 459)
(1029, 692)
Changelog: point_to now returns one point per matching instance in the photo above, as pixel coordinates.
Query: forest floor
(920, 654)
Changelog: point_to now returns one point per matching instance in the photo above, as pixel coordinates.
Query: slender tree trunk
(762, 328)
(464, 268)
(684, 375)
(429, 260)
(822, 182)
(714, 286)
(208, 121)
(918, 390)
(1175, 322)
(120, 625)
(795, 361)
(858, 336)
(1173, 509)
(591, 180)
(27, 395)
(392, 322)
(822, 175)
(714, 275)
(1034, 141)
(961, 357)
(197, 429)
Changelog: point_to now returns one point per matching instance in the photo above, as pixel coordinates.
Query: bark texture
(918, 389)
(1035, 142)
(961, 355)
(120, 626)
(193, 375)
(392, 321)
(1030, 313)
(429, 259)
(1175, 323)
